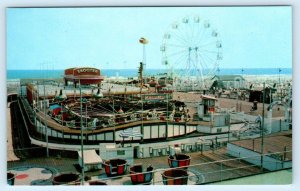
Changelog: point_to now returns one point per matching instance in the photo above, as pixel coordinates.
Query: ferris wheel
(191, 49)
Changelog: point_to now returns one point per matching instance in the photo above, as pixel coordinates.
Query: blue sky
(107, 38)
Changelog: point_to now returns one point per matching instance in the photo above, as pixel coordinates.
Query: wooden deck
(214, 168)
(272, 144)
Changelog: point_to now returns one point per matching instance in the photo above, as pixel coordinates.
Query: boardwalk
(272, 144)
(203, 168)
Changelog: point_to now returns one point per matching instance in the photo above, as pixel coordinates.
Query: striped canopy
(130, 133)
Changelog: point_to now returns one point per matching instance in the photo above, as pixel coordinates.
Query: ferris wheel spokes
(192, 50)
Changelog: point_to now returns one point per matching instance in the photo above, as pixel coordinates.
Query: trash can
(97, 182)
(10, 178)
(66, 179)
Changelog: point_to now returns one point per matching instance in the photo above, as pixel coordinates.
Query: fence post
(221, 174)
(284, 154)
(153, 179)
(280, 125)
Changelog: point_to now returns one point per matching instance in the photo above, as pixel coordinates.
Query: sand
(238, 105)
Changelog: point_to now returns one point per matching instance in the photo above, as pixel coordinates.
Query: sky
(108, 38)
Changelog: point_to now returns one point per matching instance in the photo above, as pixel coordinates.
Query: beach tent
(91, 160)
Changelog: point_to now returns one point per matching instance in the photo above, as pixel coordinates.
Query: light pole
(279, 70)
(81, 134)
(44, 105)
(62, 121)
(86, 115)
(45, 119)
(38, 109)
(228, 128)
(142, 117)
(114, 119)
(262, 129)
(167, 117)
(144, 41)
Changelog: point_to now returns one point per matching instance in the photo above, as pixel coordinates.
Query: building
(228, 81)
(256, 94)
(84, 76)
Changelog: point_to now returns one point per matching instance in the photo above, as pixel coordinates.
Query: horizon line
(154, 68)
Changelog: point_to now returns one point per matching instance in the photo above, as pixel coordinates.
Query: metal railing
(219, 171)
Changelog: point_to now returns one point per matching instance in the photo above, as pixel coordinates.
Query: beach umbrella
(55, 109)
(54, 106)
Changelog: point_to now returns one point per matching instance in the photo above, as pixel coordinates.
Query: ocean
(23, 74)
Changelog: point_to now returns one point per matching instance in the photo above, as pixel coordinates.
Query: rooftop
(228, 77)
